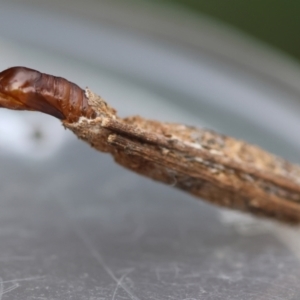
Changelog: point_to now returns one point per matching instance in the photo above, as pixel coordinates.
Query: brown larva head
(19, 90)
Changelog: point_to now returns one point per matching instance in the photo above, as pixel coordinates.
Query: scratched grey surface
(80, 227)
(73, 225)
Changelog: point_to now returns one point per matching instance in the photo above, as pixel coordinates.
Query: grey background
(73, 225)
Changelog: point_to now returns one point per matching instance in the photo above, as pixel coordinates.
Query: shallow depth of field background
(274, 22)
(73, 224)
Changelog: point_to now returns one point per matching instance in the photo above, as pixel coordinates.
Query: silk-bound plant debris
(214, 167)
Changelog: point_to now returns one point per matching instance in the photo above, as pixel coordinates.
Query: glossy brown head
(26, 89)
(19, 90)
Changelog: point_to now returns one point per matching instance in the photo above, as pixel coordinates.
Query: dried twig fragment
(218, 168)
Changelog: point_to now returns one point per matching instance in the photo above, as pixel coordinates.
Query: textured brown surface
(220, 169)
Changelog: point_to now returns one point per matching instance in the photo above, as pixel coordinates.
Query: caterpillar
(206, 164)
(27, 89)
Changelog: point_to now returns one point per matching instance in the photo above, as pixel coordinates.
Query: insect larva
(220, 169)
(26, 89)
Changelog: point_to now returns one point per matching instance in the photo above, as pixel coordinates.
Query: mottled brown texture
(217, 168)
(26, 89)
(220, 169)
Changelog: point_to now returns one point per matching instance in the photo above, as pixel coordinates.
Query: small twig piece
(218, 168)
(215, 167)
